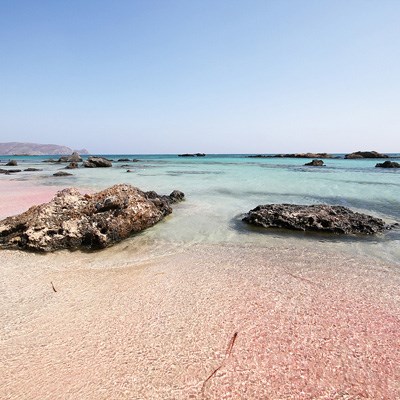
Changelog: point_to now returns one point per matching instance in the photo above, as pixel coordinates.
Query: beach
(309, 325)
(178, 313)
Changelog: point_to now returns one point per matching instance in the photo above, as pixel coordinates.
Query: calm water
(220, 188)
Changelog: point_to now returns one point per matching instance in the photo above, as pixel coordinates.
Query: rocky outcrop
(365, 154)
(317, 218)
(388, 164)
(97, 162)
(315, 163)
(93, 221)
(294, 155)
(73, 158)
(12, 163)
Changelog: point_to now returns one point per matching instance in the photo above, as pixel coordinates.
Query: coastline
(309, 325)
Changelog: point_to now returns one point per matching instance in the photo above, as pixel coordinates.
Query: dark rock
(176, 196)
(9, 171)
(50, 160)
(135, 160)
(12, 163)
(388, 164)
(365, 154)
(72, 220)
(304, 155)
(62, 173)
(72, 165)
(124, 160)
(317, 218)
(97, 162)
(32, 169)
(315, 163)
(192, 155)
(128, 170)
(259, 156)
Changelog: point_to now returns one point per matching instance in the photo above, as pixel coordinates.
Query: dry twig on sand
(227, 355)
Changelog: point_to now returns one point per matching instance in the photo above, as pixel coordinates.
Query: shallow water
(220, 188)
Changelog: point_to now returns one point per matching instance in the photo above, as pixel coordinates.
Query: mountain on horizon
(36, 149)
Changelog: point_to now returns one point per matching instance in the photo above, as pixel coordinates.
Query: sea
(221, 188)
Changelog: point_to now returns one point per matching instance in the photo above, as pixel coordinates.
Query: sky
(213, 76)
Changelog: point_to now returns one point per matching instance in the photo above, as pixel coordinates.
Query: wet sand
(159, 323)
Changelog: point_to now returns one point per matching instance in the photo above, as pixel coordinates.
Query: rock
(304, 155)
(62, 173)
(315, 163)
(192, 155)
(12, 163)
(388, 164)
(72, 165)
(317, 218)
(73, 158)
(128, 170)
(123, 160)
(365, 154)
(135, 160)
(9, 171)
(97, 162)
(32, 169)
(50, 160)
(72, 220)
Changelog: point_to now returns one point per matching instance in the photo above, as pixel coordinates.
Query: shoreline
(309, 325)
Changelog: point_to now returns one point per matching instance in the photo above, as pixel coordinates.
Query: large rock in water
(365, 154)
(388, 164)
(317, 218)
(97, 162)
(93, 221)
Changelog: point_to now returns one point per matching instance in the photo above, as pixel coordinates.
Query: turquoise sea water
(220, 188)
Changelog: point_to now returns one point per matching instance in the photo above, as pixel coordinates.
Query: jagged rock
(388, 164)
(97, 162)
(94, 221)
(32, 169)
(62, 173)
(73, 158)
(365, 154)
(12, 163)
(72, 165)
(315, 163)
(317, 218)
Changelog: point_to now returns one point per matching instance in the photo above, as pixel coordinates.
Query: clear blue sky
(216, 76)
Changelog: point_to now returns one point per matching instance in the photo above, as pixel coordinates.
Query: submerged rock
(32, 169)
(72, 165)
(9, 171)
(97, 162)
(365, 154)
(93, 221)
(62, 173)
(317, 218)
(315, 163)
(388, 164)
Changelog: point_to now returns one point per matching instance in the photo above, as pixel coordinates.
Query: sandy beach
(203, 322)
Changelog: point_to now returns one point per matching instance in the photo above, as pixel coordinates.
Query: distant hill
(35, 149)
